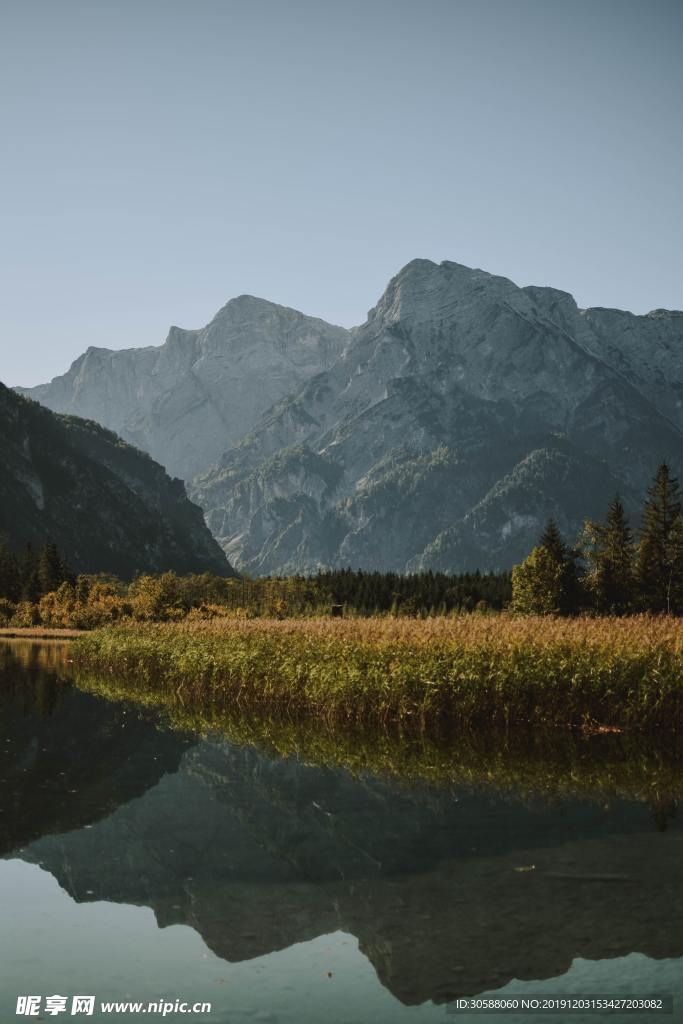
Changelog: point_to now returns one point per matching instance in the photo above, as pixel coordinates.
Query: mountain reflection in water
(450, 888)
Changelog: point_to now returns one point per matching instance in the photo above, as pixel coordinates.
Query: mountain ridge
(212, 381)
(343, 468)
(455, 358)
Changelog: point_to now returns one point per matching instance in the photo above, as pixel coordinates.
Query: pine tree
(610, 553)
(10, 580)
(569, 595)
(657, 578)
(28, 573)
(553, 543)
(51, 570)
(82, 589)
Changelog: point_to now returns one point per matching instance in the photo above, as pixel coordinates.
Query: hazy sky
(162, 156)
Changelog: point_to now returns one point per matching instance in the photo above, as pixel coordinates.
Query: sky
(159, 157)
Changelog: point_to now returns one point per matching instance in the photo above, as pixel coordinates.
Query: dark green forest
(39, 586)
(609, 571)
(32, 573)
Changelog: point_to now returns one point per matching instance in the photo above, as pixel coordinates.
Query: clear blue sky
(161, 156)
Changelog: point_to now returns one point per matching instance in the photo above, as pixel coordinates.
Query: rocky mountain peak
(428, 436)
(461, 362)
(242, 306)
(425, 292)
(190, 399)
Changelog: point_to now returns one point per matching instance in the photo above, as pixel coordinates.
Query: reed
(520, 765)
(495, 670)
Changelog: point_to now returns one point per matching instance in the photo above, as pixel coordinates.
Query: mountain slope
(556, 480)
(186, 401)
(108, 506)
(456, 379)
(440, 433)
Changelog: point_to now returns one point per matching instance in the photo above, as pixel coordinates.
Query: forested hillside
(108, 506)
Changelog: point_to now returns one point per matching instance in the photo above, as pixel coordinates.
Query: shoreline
(39, 633)
(597, 675)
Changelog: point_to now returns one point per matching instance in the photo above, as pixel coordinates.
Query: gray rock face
(188, 400)
(463, 413)
(439, 434)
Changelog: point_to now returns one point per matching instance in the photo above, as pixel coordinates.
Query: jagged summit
(441, 432)
(255, 305)
(189, 399)
(460, 415)
(423, 290)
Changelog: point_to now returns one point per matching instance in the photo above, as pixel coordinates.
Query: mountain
(108, 506)
(186, 401)
(442, 433)
(463, 413)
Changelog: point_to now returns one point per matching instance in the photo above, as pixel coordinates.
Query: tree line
(610, 571)
(419, 593)
(38, 587)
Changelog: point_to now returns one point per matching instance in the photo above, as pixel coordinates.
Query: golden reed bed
(498, 669)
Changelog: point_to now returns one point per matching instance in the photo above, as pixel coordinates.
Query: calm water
(144, 863)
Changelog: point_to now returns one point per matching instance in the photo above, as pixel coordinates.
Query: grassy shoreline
(546, 764)
(39, 633)
(501, 671)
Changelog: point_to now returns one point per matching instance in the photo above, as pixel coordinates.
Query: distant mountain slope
(108, 506)
(188, 400)
(556, 480)
(461, 414)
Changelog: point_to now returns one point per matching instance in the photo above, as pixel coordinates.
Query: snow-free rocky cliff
(439, 434)
(189, 399)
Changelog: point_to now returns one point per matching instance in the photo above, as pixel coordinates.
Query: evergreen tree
(30, 580)
(570, 596)
(553, 543)
(10, 579)
(658, 578)
(610, 553)
(82, 589)
(51, 570)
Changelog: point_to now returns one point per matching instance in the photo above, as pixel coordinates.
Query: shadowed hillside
(108, 506)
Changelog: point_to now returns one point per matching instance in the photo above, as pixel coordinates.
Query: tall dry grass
(500, 670)
(550, 764)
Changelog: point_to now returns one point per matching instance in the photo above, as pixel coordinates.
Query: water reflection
(68, 759)
(449, 888)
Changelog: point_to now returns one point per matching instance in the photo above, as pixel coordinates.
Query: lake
(145, 861)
